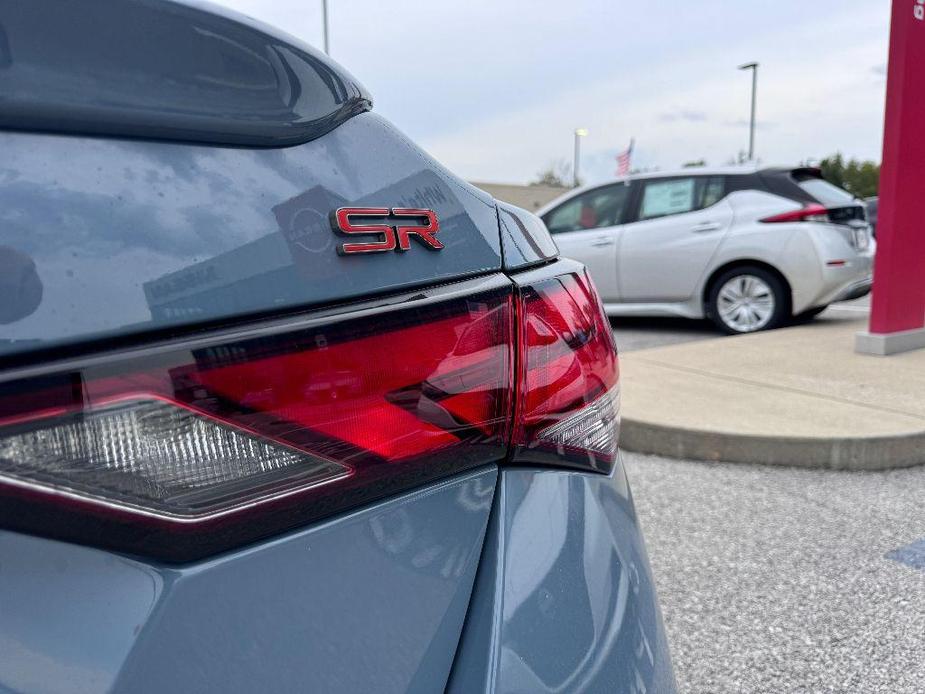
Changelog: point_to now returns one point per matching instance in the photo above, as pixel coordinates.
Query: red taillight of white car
(181, 450)
(810, 213)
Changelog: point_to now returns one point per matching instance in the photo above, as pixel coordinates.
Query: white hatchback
(750, 249)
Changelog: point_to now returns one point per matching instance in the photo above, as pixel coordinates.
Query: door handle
(602, 242)
(705, 226)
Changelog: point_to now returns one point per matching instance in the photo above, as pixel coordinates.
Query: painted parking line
(911, 555)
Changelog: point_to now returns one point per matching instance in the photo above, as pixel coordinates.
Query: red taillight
(181, 451)
(811, 213)
(568, 400)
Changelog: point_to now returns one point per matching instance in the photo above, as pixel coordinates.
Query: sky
(495, 89)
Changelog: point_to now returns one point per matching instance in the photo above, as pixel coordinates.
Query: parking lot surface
(787, 580)
(642, 333)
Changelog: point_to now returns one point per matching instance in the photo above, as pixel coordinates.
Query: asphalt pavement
(642, 333)
(787, 580)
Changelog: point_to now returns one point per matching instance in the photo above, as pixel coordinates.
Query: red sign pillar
(897, 312)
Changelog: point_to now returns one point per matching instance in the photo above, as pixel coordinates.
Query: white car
(748, 248)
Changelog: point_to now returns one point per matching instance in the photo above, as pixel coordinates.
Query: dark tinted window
(165, 70)
(750, 181)
(664, 197)
(601, 207)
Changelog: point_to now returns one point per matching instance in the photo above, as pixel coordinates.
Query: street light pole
(751, 131)
(579, 133)
(324, 12)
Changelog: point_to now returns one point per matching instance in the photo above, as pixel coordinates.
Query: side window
(663, 198)
(679, 195)
(602, 207)
(714, 190)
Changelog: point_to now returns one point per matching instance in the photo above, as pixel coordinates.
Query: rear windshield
(826, 193)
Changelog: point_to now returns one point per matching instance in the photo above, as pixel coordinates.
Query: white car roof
(690, 171)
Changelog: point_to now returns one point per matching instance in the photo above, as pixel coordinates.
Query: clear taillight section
(181, 450)
(158, 456)
(569, 394)
(592, 430)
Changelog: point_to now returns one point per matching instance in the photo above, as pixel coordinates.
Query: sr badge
(393, 228)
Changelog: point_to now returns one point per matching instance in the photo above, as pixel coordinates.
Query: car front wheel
(747, 299)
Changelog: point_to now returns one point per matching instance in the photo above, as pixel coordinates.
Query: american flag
(625, 159)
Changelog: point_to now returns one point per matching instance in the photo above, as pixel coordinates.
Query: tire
(747, 299)
(807, 316)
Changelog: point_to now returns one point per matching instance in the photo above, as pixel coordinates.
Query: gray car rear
(166, 197)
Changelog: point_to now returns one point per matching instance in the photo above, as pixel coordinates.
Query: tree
(557, 175)
(696, 164)
(860, 178)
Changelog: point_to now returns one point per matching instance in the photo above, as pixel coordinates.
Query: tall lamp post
(751, 130)
(324, 14)
(579, 133)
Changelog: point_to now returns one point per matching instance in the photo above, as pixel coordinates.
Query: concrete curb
(863, 453)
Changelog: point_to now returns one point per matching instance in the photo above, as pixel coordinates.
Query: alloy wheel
(745, 303)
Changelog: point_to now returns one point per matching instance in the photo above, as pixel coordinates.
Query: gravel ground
(778, 580)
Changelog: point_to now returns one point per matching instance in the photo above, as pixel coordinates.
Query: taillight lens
(569, 397)
(182, 450)
(156, 455)
(810, 213)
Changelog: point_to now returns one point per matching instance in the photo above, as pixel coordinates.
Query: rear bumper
(856, 290)
(564, 600)
(846, 273)
(369, 601)
(823, 265)
(378, 600)
(845, 283)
